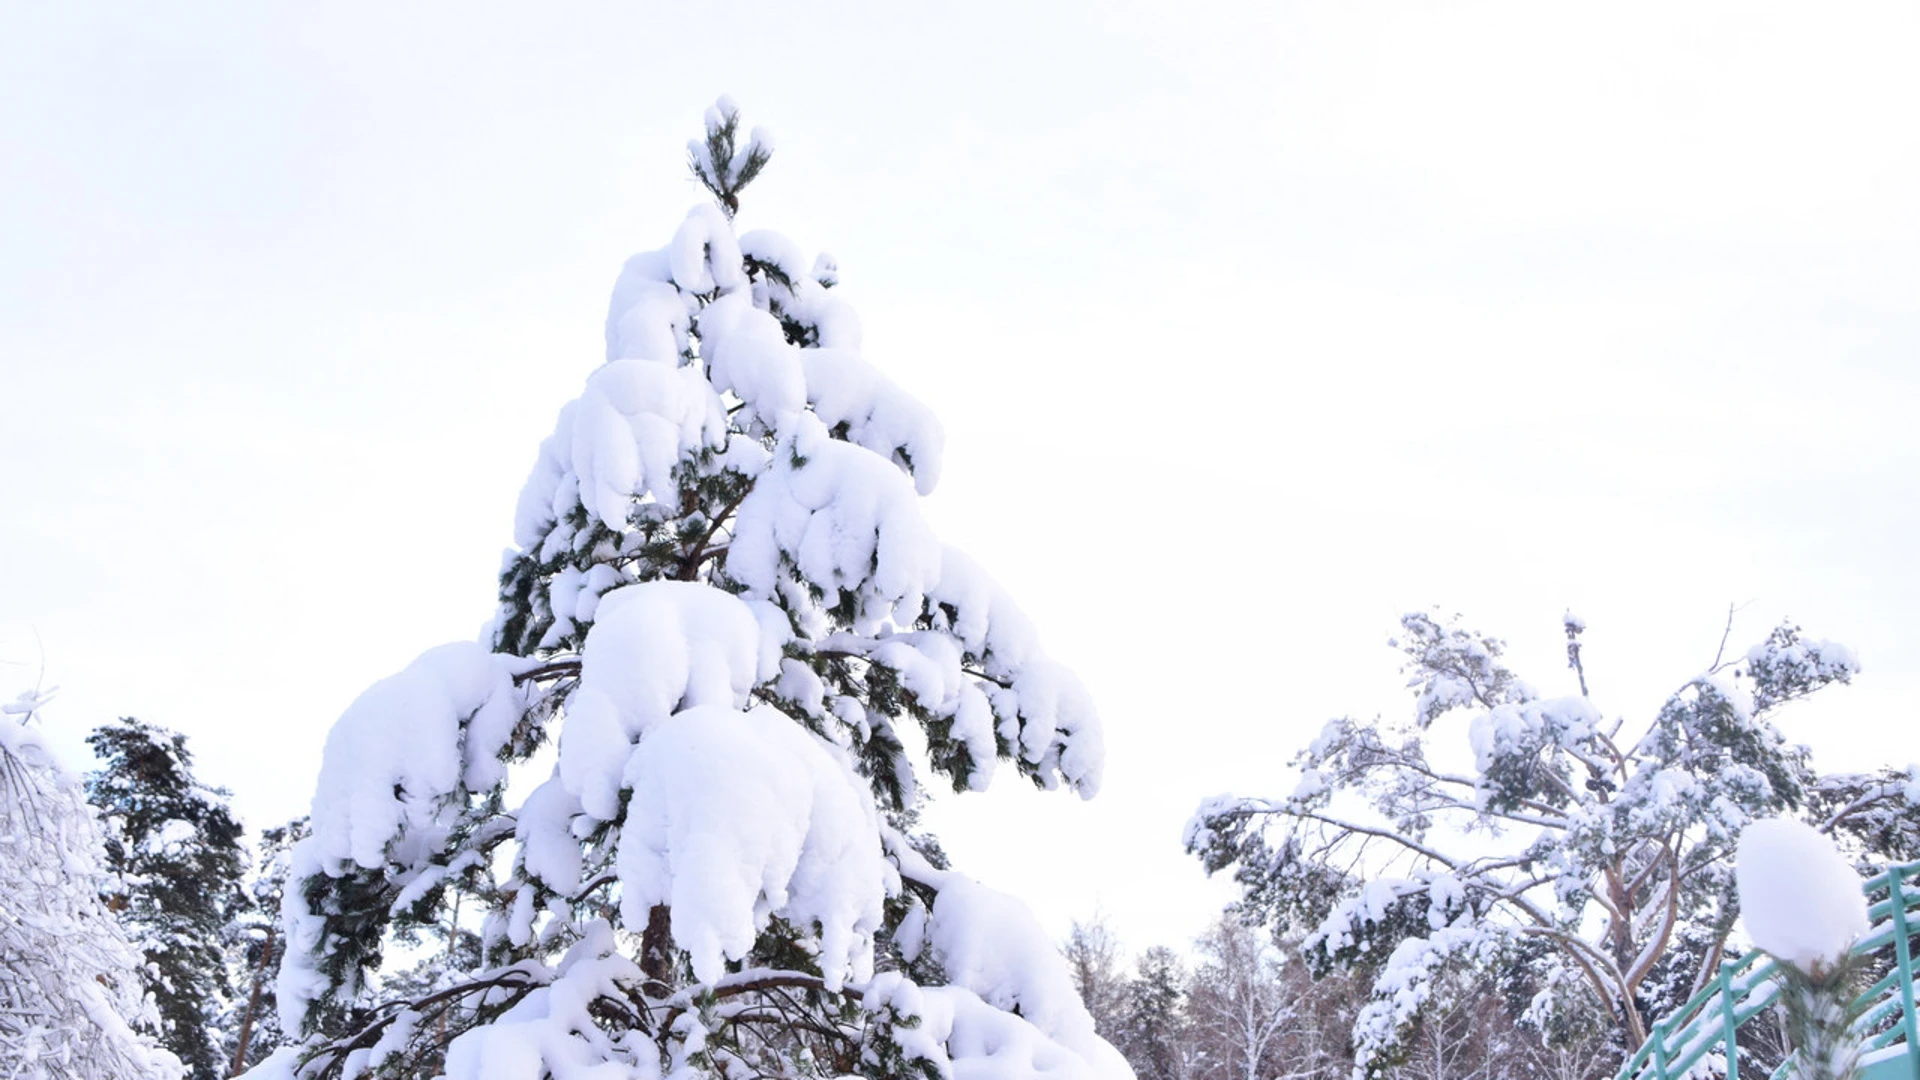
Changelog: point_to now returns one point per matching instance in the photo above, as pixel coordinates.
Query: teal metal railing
(1699, 1038)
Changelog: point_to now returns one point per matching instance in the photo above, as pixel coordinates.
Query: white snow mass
(737, 817)
(1799, 898)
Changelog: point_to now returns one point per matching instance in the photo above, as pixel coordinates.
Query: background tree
(1093, 956)
(1502, 824)
(1315, 1042)
(1155, 1033)
(254, 945)
(1237, 1001)
(70, 986)
(1243, 1008)
(176, 850)
(1466, 1035)
(722, 606)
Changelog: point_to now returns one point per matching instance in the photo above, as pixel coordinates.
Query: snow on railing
(1700, 1037)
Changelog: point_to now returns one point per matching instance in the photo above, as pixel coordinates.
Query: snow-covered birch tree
(725, 614)
(1238, 1000)
(1595, 855)
(1092, 952)
(70, 982)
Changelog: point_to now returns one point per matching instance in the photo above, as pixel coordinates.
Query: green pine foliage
(176, 850)
(1819, 1010)
(1153, 1017)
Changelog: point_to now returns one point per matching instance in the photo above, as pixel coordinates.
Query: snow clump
(1799, 899)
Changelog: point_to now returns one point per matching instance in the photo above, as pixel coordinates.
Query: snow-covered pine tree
(70, 985)
(1154, 1030)
(1595, 856)
(727, 613)
(175, 848)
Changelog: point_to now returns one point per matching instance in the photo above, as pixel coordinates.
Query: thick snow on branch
(705, 257)
(1011, 1009)
(300, 981)
(845, 390)
(1043, 708)
(930, 666)
(552, 1032)
(648, 317)
(655, 648)
(619, 441)
(970, 605)
(747, 353)
(842, 519)
(1406, 983)
(1528, 726)
(1787, 666)
(990, 943)
(738, 817)
(1059, 729)
(968, 1038)
(405, 746)
(1799, 898)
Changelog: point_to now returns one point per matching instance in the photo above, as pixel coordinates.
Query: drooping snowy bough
(1536, 844)
(724, 611)
(70, 989)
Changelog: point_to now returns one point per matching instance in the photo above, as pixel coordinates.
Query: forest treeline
(199, 899)
(1237, 1005)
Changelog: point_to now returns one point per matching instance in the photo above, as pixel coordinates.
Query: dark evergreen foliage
(177, 852)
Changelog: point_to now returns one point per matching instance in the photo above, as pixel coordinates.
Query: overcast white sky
(1252, 326)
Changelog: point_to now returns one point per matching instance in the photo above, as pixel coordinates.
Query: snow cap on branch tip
(1800, 900)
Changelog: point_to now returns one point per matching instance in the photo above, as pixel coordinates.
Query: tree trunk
(656, 959)
(253, 1003)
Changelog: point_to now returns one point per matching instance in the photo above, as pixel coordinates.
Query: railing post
(1903, 955)
(1660, 1051)
(1726, 1017)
